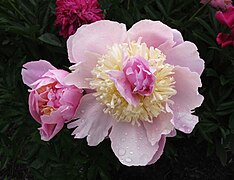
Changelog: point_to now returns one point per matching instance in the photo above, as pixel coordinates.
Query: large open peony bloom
(71, 14)
(51, 102)
(226, 18)
(144, 84)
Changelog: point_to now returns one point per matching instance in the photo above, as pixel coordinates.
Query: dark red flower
(71, 14)
(226, 18)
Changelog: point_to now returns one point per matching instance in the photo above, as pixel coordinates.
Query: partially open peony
(144, 85)
(51, 102)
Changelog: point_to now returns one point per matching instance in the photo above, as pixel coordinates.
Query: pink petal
(177, 37)
(153, 33)
(33, 70)
(130, 144)
(185, 55)
(92, 122)
(48, 131)
(186, 99)
(54, 117)
(71, 96)
(187, 84)
(57, 75)
(161, 125)
(82, 75)
(123, 86)
(95, 38)
(32, 107)
(159, 152)
(184, 121)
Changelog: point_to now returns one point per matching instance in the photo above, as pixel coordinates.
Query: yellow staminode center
(107, 94)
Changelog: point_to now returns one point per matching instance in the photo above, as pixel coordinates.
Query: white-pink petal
(81, 75)
(95, 38)
(186, 99)
(92, 122)
(161, 125)
(159, 152)
(130, 144)
(185, 55)
(153, 33)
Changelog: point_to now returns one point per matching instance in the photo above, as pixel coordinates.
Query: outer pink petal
(185, 55)
(57, 75)
(82, 75)
(187, 84)
(95, 38)
(184, 120)
(177, 37)
(153, 33)
(161, 125)
(159, 152)
(92, 122)
(186, 99)
(130, 144)
(48, 131)
(32, 107)
(33, 70)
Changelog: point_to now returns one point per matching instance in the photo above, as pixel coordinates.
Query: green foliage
(27, 33)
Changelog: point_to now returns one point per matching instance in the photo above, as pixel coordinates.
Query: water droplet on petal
(125, 134)
(122, 152)
(82, 111)
(128, 160)
(130, 152)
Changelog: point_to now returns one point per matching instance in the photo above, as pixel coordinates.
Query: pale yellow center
(149, 106)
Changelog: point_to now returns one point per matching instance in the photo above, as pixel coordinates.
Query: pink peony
(51, 102)
(219, 4)
(226, 18)
(71, 14)
(144, 85)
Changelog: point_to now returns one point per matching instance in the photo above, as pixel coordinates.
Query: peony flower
(226, 18)
(143, 85)
(51, 102)
(71, 14)
(219, 4)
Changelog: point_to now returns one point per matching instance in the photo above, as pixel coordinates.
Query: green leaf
(221, 153)
(231, 122)
(50, 39)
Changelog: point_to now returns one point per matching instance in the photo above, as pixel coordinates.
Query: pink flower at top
(143, 84)
(51, 102)
(226, 18)
(71, 14)
(219, 4)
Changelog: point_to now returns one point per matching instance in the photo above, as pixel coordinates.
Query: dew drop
(125, 134)
(82, 111)
(122, 152)
(130, 152)
(128, 160)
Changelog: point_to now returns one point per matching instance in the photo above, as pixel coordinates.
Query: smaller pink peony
(51, 102)
(226, 18)
(219, 4)
(71, 14)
